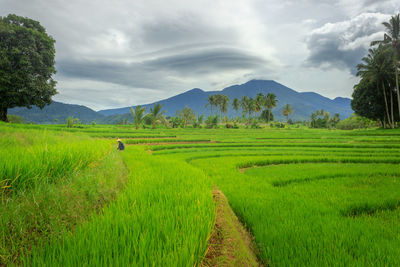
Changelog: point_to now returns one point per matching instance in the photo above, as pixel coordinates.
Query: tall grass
(30, 157)
(163, 218)
(309, 197)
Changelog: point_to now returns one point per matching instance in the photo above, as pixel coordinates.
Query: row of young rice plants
(30, 157)
(163, 218)
(307, 202)
(50, 181)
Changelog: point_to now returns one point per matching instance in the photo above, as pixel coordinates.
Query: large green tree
(26, 64)
(368, 101)
(392, 38)
(376, 68)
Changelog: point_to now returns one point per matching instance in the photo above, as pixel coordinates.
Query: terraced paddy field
(308, 197)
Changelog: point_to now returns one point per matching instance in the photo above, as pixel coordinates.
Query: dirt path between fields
(230, 244)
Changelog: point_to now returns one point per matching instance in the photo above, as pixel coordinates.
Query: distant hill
(57, 111)
(303, 103)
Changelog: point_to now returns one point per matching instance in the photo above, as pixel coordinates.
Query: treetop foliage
(27, 58)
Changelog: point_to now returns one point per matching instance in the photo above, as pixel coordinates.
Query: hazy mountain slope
(303, 103)
(56, 111)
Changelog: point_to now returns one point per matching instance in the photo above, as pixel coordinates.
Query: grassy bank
(309, 197)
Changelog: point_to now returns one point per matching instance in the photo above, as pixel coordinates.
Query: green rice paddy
(309, 197)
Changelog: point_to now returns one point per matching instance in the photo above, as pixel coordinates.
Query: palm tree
(259, 102)
(223, 103)
(224, 106)
(286, 111)
(244, 104)
(377, 68)
(138, 115)
(236, 104)
(211, 102)
(157, 115)
(251, 106)
(270, 103)
(313, 118)
(392, 38)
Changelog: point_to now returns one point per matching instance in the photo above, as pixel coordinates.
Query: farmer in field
(121, 145)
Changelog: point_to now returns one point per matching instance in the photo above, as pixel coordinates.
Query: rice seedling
(309, 197)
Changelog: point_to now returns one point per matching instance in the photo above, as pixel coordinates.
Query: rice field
(309, 197)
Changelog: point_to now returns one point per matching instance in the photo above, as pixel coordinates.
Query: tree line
(377, 95)
(250, 107)
(253, 110)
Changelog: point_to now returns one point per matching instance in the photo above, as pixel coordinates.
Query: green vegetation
(287, 110)
(377, 94)
(323, 119)
(356, 122)
(138, 116)
(50, 182)
(163, 218)
(26, 63)
(309, 197)
(317, 197)
(15, 119)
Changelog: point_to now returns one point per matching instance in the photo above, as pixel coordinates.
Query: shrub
(212, 122)
(15, 119)
(277, 124)
(255, 125)
(356, 122)
(229, 125)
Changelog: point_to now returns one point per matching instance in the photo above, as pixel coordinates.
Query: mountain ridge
(303, 103)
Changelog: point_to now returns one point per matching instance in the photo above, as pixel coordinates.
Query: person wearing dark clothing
(121, 145)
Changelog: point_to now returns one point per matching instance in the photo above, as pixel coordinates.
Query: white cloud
(343, 44)
(123, 52)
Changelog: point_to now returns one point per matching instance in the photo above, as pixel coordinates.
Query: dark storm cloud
(343, 44)
(139, 74)
(184, 28)
(325, 50)
(211, 60)
(147, 50)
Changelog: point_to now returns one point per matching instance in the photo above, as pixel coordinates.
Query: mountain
(56, 111)
(303, 103)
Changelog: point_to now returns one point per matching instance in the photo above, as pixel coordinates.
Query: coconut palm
(270, 103)
(286, 111)
(377, 68)
(392, 38)
(157, 115)
(211, 102)
(251, 106)
(259, 102)
(223, 103)
(138, 115)
(244, 104)
(236, 104)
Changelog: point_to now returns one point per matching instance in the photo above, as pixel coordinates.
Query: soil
(230, 244)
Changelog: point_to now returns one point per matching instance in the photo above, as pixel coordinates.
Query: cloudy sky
(118, 53)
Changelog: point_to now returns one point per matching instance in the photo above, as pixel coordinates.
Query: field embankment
(309, 197)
